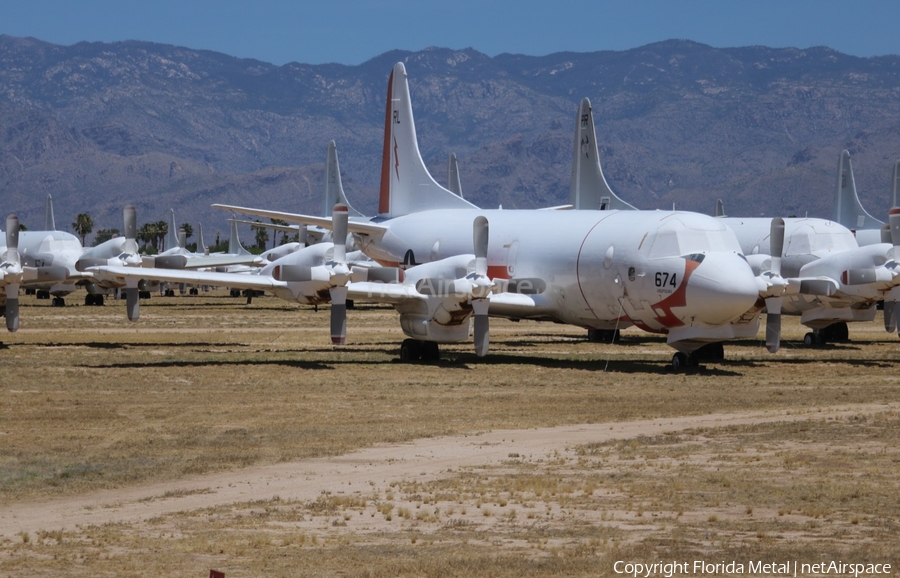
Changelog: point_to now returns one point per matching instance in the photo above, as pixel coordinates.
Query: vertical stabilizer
(406, 185)
(895, 184)
(172, 234)
(49, 219)
(453, 182)
(234, 241)
(720, 208)
(847, 210)
(334, 189)
(201, 245)
(589, 189)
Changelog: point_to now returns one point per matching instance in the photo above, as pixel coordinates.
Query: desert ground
(213, 434)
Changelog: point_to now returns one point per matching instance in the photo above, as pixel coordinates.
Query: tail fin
(720, 208)
(895, 185)
(49, 219)
(406, 185)
(334, 189)
(589, 189)
(201, 245)
(234, 241)
(453, 182)
(847, 210)
(172, 234)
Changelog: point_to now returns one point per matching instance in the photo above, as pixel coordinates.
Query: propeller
(891, 311)
(776, 285)
(12, 273)
(339, 274)
(130, 256)
(481, 286)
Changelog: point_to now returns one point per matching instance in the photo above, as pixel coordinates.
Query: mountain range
(102, 125)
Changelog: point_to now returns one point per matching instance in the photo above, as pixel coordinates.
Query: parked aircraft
(841, 281)
(671, 272)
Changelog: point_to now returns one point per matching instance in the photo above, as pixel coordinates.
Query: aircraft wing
(201, 261)
(233, 280)
(363, 228)
(373, 292)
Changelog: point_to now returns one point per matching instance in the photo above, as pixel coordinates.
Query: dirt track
(368, 469)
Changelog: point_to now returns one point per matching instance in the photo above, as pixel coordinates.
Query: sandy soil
(372, 469)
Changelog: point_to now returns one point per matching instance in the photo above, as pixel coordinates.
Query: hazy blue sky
(352, 31)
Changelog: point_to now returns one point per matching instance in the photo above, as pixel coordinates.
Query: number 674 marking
(664, 279)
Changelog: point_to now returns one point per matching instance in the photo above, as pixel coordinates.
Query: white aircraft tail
(406, 185)
(453, 182)
(720, 208)
(201, 245)
(49, 219)
(234, 241)
(334, 189)
(172, 234)
(895, 185)
(847, 210)
(589, 189)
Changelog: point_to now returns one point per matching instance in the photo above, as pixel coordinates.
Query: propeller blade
(303, 236)
(130, 217)
(890, 319)
(480, 239)
(12, 307)
(132, 303)
(773, 323)
(776, 245)
(894, 220)
(339, 217)
(338, 315)
(482, 327)
(12, 239)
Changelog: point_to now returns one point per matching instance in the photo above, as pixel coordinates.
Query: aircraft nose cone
(721, 289)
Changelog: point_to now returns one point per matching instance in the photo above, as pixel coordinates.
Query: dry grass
(209, 384)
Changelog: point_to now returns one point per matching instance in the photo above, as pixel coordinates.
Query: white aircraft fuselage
(662, 271)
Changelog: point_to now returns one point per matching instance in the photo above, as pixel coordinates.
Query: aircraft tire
(680, 362)
(410, 350)
(809, 339)
(430, 351)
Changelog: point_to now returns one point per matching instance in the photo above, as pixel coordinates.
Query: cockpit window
(698, 257)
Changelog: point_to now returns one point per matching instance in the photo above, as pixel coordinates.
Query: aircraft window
(698, 257)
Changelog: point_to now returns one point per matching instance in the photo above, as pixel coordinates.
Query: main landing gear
(709, 352)
(58, 302)
(415, 350)
(93, 300)
(603, 335)
(836, 332)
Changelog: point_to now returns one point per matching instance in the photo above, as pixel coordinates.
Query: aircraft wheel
(144, 294)
(98, 300)
(809, 339)
(839, 332)
(349, 304)
(430, 351)
(88, 300)
(410, 350)
(680, 361)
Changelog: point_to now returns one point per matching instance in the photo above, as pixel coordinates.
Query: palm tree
(188, 230)
(83, 226)
(262, 237)
(275, 235)
(162, 229)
